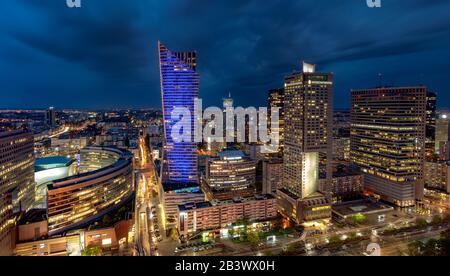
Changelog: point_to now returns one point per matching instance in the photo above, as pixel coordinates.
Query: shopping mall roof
(53, 162)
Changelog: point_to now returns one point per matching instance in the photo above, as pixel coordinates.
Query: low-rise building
(194, 217)
(231, 171)
(174, 194)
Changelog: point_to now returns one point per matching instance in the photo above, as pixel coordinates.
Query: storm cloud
(105, 53)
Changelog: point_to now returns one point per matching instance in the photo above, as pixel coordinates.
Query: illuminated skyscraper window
(179, 88)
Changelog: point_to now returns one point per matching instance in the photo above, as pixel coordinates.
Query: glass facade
(16, 181)
(179, 88)
(81, 199)
(388, 141)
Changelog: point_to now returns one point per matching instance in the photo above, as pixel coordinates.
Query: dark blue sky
(105, 54)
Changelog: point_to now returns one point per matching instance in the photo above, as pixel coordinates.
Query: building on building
(213, 215)
(437, 175)
(174, 194)
(443, 137)
(77, 201)
(16, 183)
(388, 141)
(50, 117)
(179, 87)
(308, 108)
(345, 185)
(430, 133)
(272, 175)
(230, 173)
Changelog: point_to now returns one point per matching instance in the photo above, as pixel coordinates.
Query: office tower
(50, 117)
(16, 182)
(431, 125)
(442, 137)
(229, 175)
(388, 141)
(179, 88)
(228, 102)
(437, 175)
(308, 132)
(276, 100)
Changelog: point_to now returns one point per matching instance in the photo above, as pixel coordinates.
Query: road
(152, 239)
(143, 207)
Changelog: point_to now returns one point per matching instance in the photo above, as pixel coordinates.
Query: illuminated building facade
(179, 88)
(388, 141)
(276, 100)
(81, 199)
(308, 133)
(431, 125)
(345, 185)
(437, 175)
(194, 217)
(443, 137)
(228, 102)
(50, 117)
(231, 171)
(16, 182)
(272, 175)
(174, 194)
(49, 169)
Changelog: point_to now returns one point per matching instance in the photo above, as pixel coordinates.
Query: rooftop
(208, 204)
(349, 209)
(231, 153)
(53, 162)
(181, 187)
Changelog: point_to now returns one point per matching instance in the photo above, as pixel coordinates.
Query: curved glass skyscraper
(179, 88)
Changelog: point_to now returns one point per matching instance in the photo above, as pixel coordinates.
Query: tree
(446, 218)
(436, 220)
(359, 218)
(92, 251)
(421, 223)
(106, 221)
(415, 248)
(444, 243)
(253, 238)
(335, 239)
(431, 248)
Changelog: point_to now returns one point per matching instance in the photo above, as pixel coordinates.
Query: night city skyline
(225, 131)
(103, 54)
